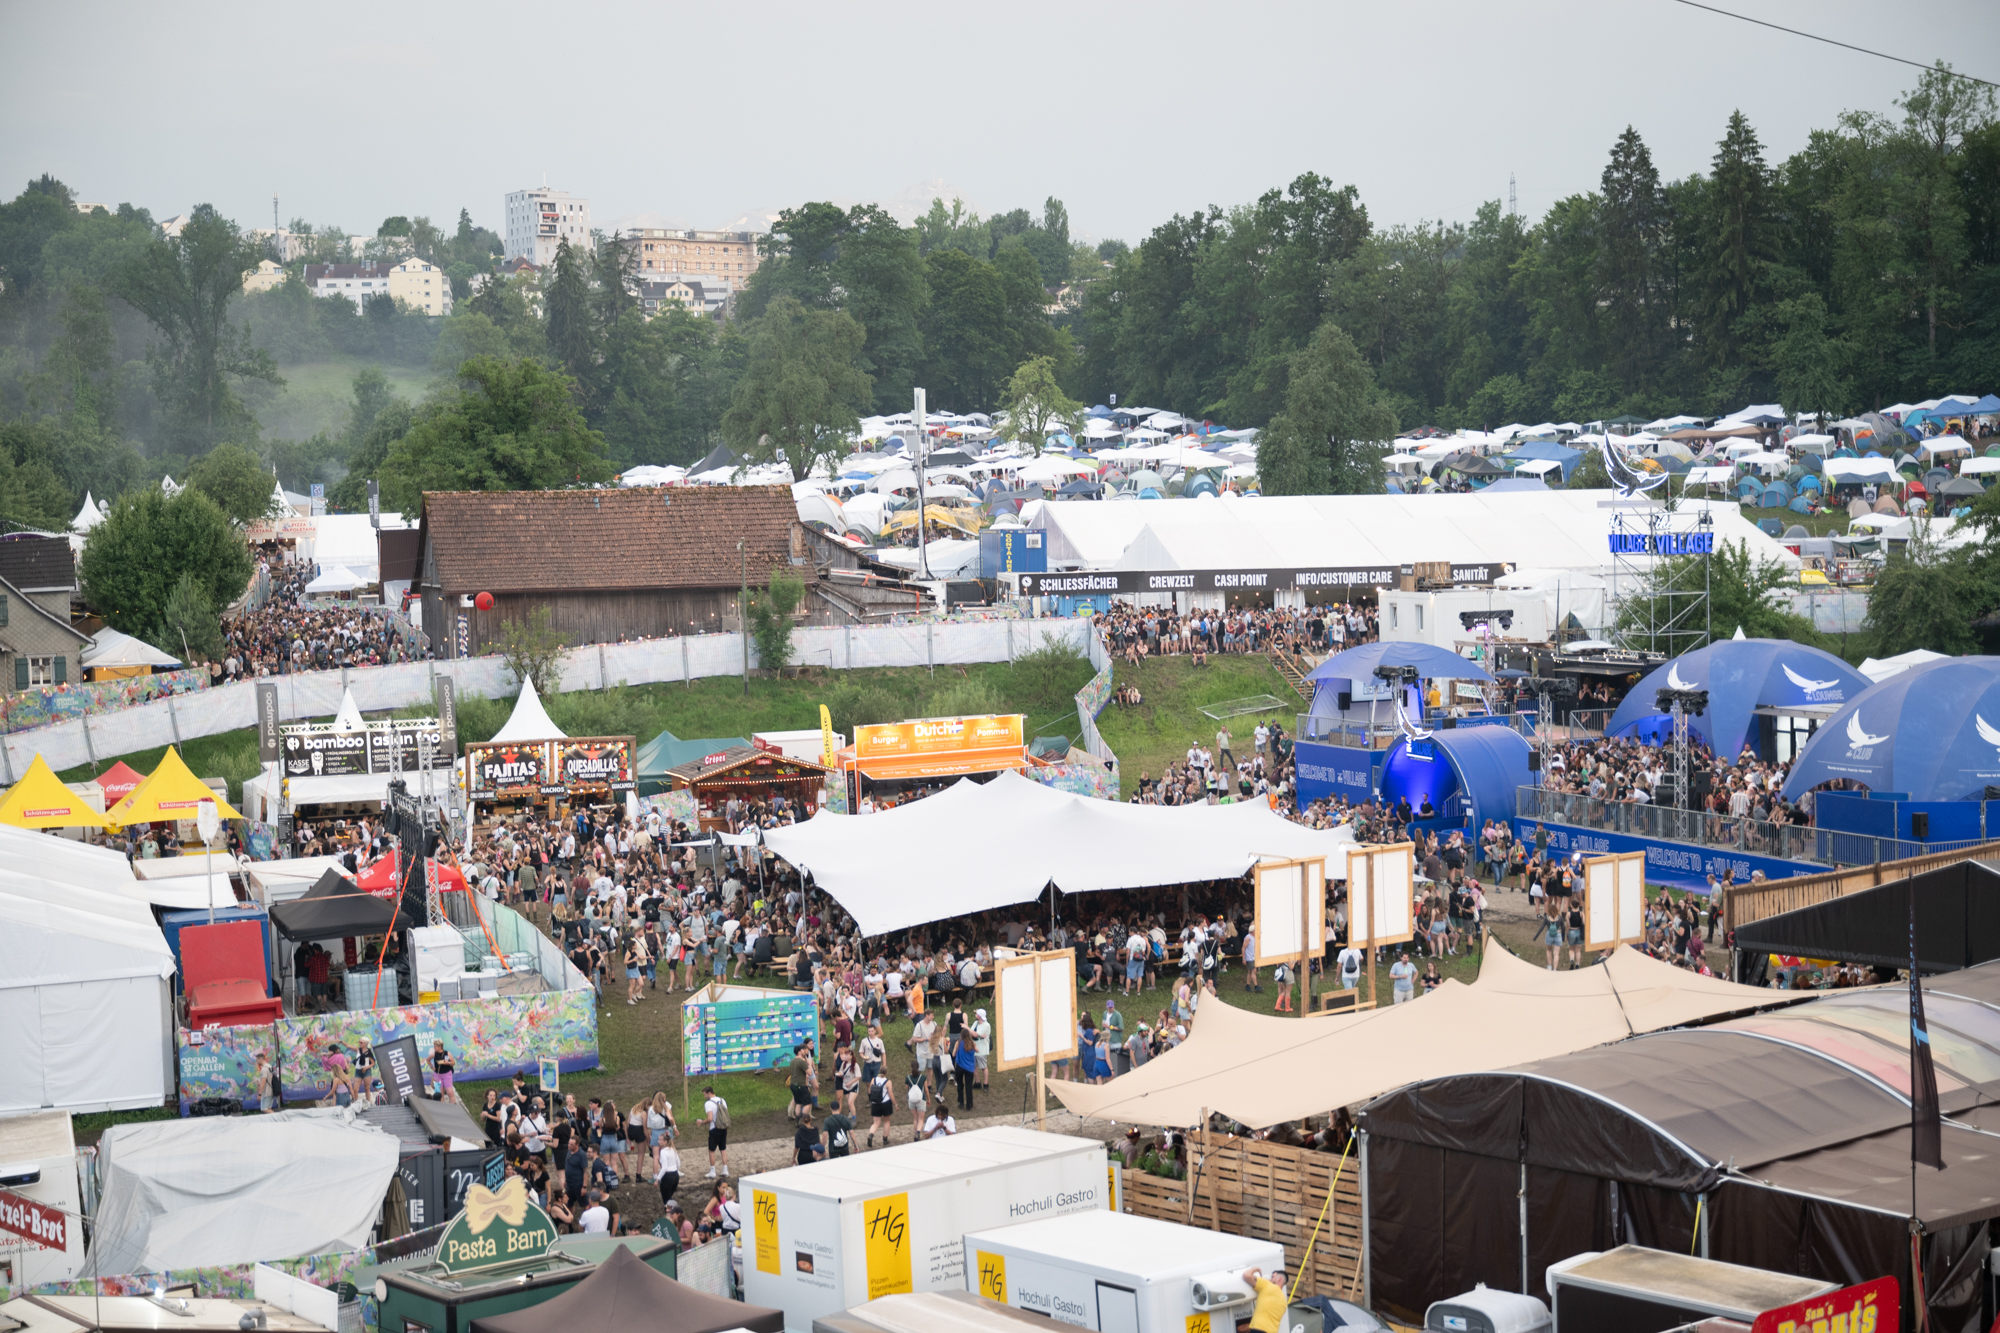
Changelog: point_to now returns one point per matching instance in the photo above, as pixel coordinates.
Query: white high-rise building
(538, 219)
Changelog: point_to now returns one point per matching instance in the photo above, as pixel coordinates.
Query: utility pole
(743, 614)
(920, 449)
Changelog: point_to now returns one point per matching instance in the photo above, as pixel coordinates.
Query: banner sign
(447, 709)
(1680, 865)
(938, 736)
(595, 763)
(384, 747)
(35, 1223)
(401, 1069)
(507, 770)
(497, 1227)
(222, 1063)
(267, 722)
(288, 529)
(1085, 583)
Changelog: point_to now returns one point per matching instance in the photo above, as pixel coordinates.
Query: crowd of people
(291, 632)
(1134, 633)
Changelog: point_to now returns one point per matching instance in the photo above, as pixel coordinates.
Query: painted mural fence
(489, 1038)
(1077, 779)
(90, 698)
(222, 1063)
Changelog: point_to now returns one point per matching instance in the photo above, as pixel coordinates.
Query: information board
(746, 1030)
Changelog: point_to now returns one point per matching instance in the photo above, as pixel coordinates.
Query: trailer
(824, 1238)
(1645, 1290)
(1118, 1273)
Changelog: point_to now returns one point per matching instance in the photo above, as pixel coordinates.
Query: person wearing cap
(982, 1047)
(1139, 1046)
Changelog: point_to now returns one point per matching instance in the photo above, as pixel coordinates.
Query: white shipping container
(823, 1238)
(1115, 1272)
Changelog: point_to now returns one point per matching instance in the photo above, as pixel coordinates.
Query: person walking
(982, 1047)
(1403, 973)
(715, 1110)
(668, 1174)
(964, 1061)
(881, 1108)
(1250, 982)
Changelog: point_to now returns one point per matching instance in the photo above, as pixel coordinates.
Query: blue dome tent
(1335, 675)
(1932, 732)
(1741, 676)
(1470, 774)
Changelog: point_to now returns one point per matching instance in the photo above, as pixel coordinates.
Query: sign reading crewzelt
(497, 1227)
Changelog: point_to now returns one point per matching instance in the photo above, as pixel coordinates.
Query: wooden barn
(644, 562)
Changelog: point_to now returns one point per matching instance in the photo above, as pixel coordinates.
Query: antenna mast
(1513, 209)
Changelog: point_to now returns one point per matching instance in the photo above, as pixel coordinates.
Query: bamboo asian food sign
(497, 1227)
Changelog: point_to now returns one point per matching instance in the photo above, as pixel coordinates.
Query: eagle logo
(1859, 738)
(1629, 480)
(1809, 686)
(1674, 681)
(1988, 732)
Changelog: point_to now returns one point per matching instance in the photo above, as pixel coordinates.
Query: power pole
(743, 615)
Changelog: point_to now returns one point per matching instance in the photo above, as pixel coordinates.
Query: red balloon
(484, 601)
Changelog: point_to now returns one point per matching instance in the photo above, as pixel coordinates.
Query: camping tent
(919, 862)
(333, 908)
(1741, 676)
(1778, 1141)
(626, 1295)
(1928, 732)
(181, 1194)
(86, 1010)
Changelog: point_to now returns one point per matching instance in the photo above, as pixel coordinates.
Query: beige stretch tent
(1264, 1070)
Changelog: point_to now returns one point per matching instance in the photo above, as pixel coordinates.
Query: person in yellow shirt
(1268, 1315)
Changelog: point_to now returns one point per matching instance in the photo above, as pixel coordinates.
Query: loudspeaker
(1920, 825)
(1534, 761)
(1345, 700)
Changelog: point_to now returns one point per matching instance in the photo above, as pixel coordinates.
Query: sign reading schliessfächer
(497, 1227)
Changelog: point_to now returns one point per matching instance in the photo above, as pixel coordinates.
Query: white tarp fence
(172, 721)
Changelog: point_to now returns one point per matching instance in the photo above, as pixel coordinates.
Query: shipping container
(826, 1237)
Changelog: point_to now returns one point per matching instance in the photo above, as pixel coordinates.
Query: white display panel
(1290, 896)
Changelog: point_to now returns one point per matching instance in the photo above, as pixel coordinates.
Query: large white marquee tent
(1551, 530)
(928, 861)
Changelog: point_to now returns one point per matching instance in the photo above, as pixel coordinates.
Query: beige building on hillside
(264, 277)
(727, 256)
(418, 283)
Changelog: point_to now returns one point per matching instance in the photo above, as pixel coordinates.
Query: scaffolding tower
(1670, 593)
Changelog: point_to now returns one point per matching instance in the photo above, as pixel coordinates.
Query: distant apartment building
(417, 282)
(727, 258)
(264, 277)
(537, 220)
(286, 245)
(705, 296)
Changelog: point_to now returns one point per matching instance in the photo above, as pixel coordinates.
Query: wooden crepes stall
(750, 773)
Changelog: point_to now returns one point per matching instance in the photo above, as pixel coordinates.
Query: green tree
(967, 342)
(802, 390)
(31, 494)
(512, 427)
(235, 479)
(1927, 597)
(1036, 402)
(146, 544)
(184, 285)
(567, 316)
(770, 610)
(533, 651)
(1740, 244)
(368, 454)
(1327, 440)
(190, 629)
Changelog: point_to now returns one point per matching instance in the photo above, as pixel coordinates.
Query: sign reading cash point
(497, 1227)
(1085, 583)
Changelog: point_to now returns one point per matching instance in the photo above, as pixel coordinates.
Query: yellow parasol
(172, 792)
(39, 800)
(963, 520)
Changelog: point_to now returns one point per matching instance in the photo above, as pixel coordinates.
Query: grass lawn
(317, 394)
(1147, 738)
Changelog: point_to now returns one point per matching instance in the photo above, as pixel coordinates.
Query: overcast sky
(705, 114)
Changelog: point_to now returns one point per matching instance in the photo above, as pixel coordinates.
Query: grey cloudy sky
(707, 113)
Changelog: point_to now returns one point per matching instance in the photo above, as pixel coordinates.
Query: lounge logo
(1817, 691)
(1860, 744)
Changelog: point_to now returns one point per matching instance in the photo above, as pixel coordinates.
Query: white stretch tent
(110, 648)
(920, 862)
(1861, 469)
(1879, 669)
(336, 578)
(190, 1193)
(86, 1014)
(1263, 1069)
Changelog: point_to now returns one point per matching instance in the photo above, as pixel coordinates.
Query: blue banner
(1326, 771)
(1680, 865)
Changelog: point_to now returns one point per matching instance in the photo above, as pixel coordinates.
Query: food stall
(751, 773)
(895, 757)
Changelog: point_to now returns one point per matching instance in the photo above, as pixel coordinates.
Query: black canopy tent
(333, 908)
(624, 1295)
(1958, 923)
(1777, 1141)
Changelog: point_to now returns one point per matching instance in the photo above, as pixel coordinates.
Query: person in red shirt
(319, 972)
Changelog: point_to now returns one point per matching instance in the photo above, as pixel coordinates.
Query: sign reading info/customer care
(33, 1222)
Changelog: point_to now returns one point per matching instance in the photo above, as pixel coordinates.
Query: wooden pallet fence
(1747, 903)
(1268, 1191)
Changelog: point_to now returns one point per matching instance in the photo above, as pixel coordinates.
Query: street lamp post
(743, 613)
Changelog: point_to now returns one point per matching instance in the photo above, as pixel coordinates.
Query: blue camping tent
(1472, 771)
(1932, 732)
(1335, 675)
(1547, 450)
(1741, 676)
